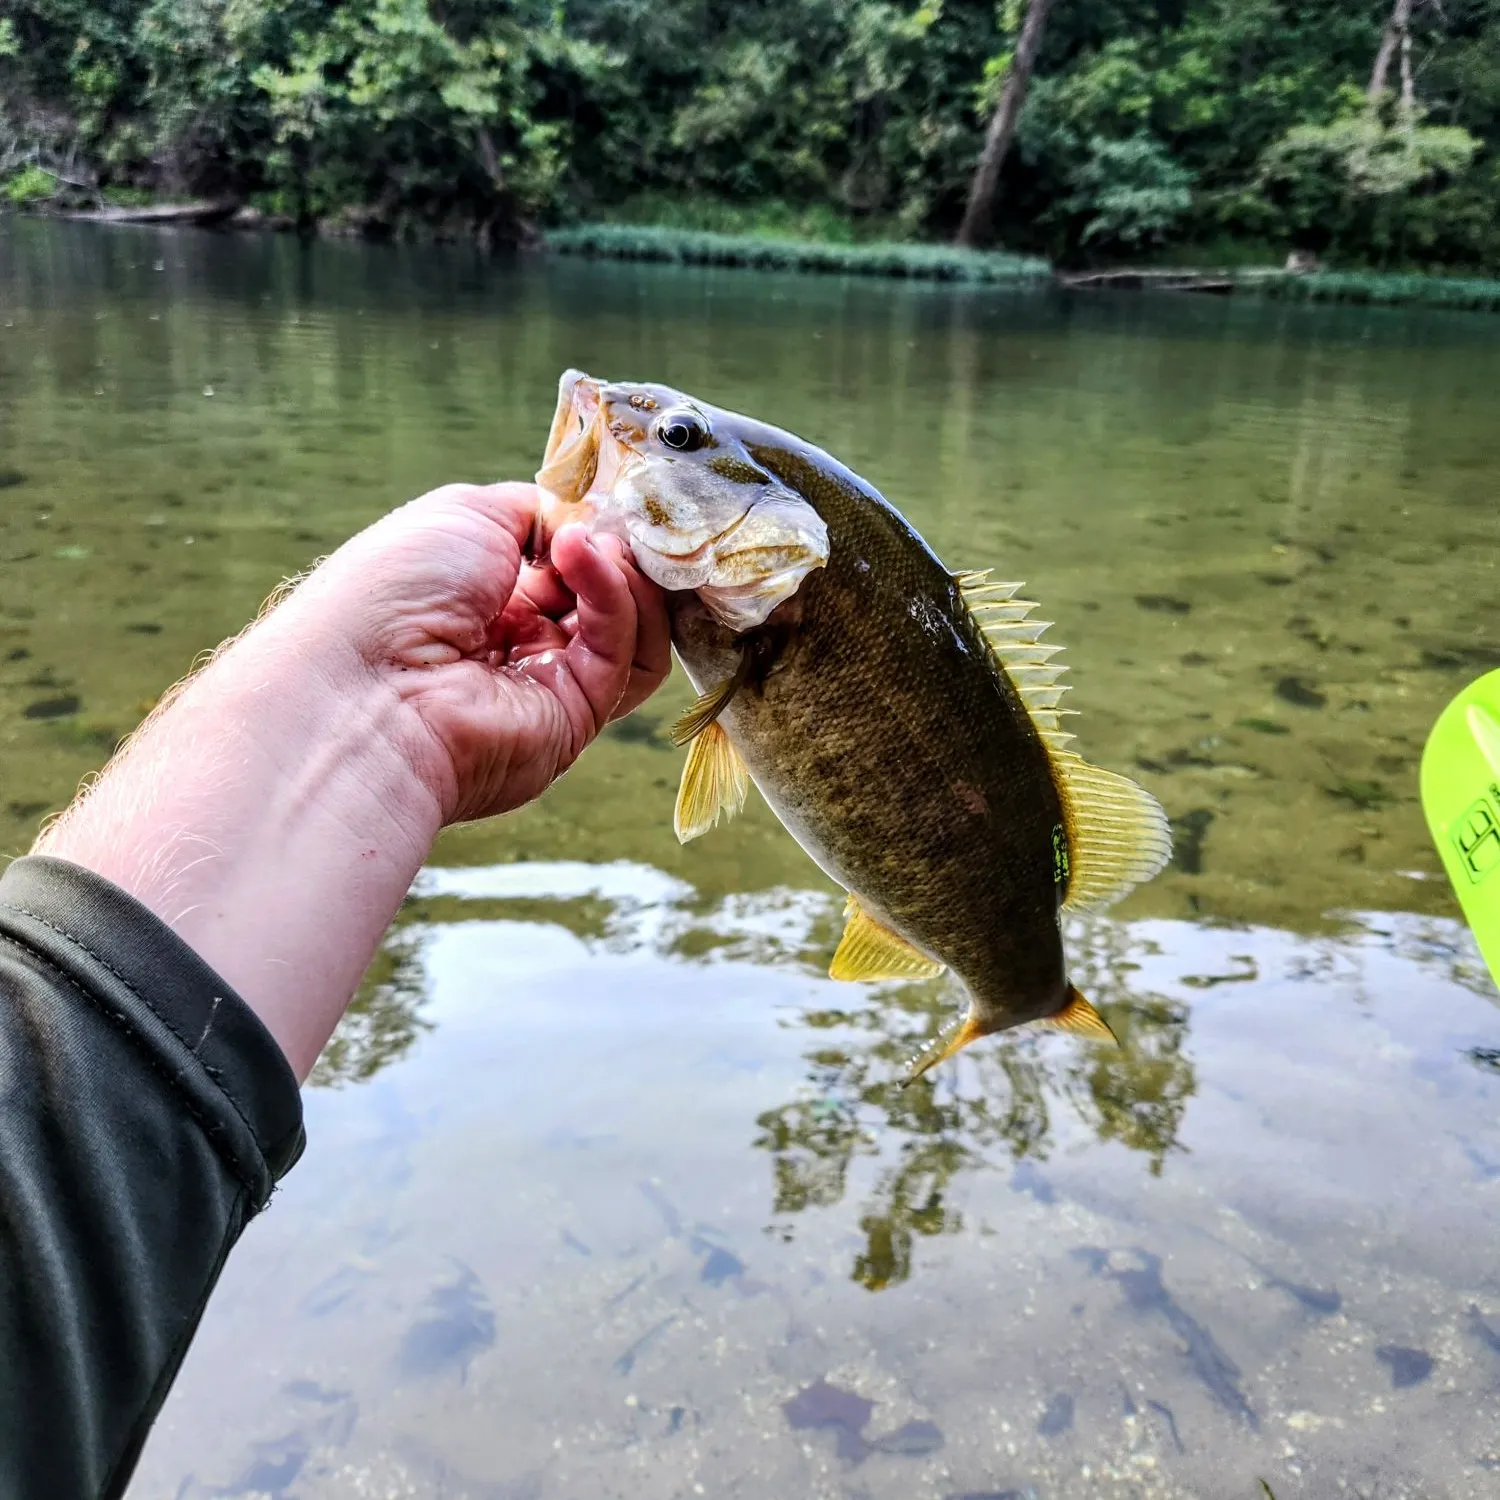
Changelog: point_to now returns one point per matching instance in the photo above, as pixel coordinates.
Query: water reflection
(526, 1254)
(1263, 1225)
(385, 1018)
(995, 1104)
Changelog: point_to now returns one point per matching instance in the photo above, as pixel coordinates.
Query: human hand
(508, 667)
(275, 810)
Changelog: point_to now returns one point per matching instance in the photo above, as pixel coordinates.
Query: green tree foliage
(1149, 125)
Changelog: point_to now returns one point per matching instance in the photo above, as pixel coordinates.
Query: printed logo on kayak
(1477, 837)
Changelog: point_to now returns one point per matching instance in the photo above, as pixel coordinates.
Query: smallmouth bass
(902, 721)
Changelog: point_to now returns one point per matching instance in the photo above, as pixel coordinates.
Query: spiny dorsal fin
(1118, 835)
(714, 781)
(1117, 832)
(870, 950)
(1015, 643)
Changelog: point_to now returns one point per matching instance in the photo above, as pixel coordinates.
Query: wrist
(274, 814)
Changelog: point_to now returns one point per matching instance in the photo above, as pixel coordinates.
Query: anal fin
(970, 1029)
(714, 781)
(870, 950)
(1079, 1017)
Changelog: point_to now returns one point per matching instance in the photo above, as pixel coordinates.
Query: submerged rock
(52, 708)
(1057, 1417)
(1407, 1366)
(1299, 693)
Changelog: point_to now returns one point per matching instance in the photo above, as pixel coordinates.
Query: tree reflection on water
(1004, 1100)
(384, 1019)
(998, 1104)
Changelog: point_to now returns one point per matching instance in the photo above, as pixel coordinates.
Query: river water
(609, 1192)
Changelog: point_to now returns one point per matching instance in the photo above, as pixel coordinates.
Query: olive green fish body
(902, 721)
(877, 724)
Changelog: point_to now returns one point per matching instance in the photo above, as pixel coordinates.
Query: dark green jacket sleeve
(145, 1114)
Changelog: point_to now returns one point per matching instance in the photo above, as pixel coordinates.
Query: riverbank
(899, 259)
(1379, 289)
(948, 263)
(1368, 288)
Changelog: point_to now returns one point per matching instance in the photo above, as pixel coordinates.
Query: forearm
(145, 1116)
(271, 818)
(276, 811)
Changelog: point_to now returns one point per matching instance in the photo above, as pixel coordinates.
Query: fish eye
(682, 430)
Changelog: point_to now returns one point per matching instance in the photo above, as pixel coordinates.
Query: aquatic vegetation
(1365, 795)
(689, 247)
(1380, 289)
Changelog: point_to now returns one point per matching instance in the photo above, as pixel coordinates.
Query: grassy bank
(882, 258)
(1381, 289)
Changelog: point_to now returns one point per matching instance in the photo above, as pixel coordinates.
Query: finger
(653, 640)
(539, 587)
(514, 636)
(599, 655)
(539, 615)
(512, 506)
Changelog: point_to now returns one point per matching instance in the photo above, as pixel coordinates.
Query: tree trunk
(489, 158)
(1395, 35)
(979, 214)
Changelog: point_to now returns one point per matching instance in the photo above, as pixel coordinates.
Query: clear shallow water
(610, 1193)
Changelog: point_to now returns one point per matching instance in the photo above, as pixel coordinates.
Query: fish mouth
(591, 450)
(592, 471)
(571, 459)
(704, 550)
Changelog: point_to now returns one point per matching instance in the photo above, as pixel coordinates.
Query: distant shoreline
(900, 260)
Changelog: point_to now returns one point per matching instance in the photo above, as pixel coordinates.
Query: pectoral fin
(711, 704)
(1079, 1017)
(714, 781)
(870, 950)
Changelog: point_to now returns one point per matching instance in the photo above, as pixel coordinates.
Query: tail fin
(1079, 1017)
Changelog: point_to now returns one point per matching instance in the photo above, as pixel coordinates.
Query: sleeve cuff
(194, 1030)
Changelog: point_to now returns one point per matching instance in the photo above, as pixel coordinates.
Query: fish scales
(885, 737)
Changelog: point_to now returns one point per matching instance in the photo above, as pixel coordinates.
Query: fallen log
(1164, 279)
(212, 211)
